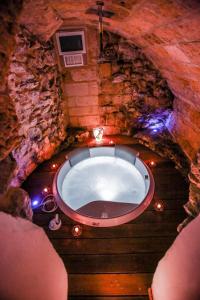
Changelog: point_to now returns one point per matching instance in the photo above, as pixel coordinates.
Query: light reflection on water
(103, 178)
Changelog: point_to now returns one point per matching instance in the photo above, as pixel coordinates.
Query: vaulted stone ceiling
(168, 33)
(166, 30)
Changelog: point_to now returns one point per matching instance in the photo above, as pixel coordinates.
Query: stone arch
(167, 32)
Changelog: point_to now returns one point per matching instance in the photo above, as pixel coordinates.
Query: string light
(77, 230)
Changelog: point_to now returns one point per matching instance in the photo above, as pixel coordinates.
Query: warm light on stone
(126, 94)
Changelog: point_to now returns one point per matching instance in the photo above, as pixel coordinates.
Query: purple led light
(35, 203)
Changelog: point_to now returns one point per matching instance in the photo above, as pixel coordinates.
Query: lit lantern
(159, 205)
(98, 134)
(111, 142)
(76, 230)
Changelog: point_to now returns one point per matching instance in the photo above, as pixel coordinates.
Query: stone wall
(133, 95)
(8, 119)
(34, 85)
(123, 94)
(168, 32)
(81, 87)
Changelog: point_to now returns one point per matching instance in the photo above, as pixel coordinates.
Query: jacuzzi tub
(103, 186)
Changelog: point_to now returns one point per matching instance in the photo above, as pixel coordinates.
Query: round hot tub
(103, 186)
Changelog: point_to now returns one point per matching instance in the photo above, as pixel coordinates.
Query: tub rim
(104, 222)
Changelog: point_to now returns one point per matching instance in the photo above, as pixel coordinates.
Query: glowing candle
(98, 134)
(76, 230)
(45, 190)
(152, 163)
(159, 205)
(54, 166)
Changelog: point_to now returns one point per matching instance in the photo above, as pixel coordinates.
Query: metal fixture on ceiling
(101, 13)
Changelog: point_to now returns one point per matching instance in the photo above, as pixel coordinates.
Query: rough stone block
(110, 120)
(121, 99)
(176, 53)
(71, 101)
(186, 136)
(76, 101)
(185, 30)
(48, 20)
(93, 88)
(74, 122)
(109, 88)
(76, 89)
(90, 121)
(189, 112)
(86, 101)
(7, 167)
(84, 111)
(192, 51)
(109, 109)
(105, 100)
(111, 130)
(84, 74)
(105, 70)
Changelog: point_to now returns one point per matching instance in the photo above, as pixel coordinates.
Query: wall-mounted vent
(73, 60)
(71, 42)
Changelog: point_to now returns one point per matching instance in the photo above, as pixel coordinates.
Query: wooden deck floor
(116, 263)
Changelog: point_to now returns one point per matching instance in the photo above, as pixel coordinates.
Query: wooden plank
(115, 263)
(125, 231)
(108, 298)
(112, 246)
(147, 217)
(109, 284)
(170, 204)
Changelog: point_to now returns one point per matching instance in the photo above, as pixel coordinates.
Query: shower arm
(100, 14)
